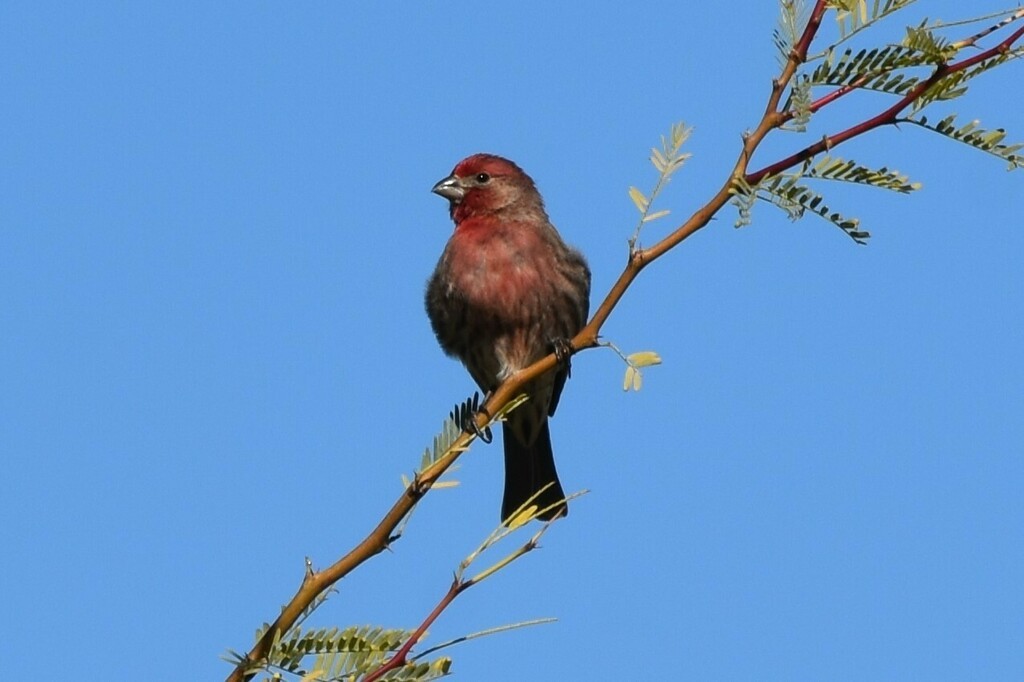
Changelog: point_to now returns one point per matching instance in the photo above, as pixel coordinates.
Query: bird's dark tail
(528, 468)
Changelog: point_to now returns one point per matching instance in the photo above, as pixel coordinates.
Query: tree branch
(886, 117)
(315, 582)
(460, 585)
(401, 656)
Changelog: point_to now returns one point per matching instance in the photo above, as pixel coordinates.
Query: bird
(507, 291)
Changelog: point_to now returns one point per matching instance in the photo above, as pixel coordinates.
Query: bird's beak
(450, 189)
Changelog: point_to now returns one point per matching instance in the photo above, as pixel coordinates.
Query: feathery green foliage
(932, 47)
(799, 104)
(988, 141)
(792, 19)
(955, 85)
(347, 654)
(788, 193)
(785, 192)
(923, 56)
(795, 199)
(666, 161)
(445, 441)
(339, 653)
(634, 361)
(834, 168)
(634, 378)
(853, 16)
(744, 196)
(868, 69)
(416, 671)
(451, 429)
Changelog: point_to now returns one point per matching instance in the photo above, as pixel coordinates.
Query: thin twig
(966, 42)
(401, 656)
(460, 585)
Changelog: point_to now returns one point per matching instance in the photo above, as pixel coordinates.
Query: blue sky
(215, 229)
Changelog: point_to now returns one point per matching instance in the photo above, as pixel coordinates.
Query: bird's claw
(483, 434)
(563, 349)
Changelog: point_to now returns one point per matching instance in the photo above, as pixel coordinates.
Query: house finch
(506, 290)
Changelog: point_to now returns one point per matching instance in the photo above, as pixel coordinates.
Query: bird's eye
(482, 178)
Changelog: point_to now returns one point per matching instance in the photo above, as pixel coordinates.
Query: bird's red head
(486, 183)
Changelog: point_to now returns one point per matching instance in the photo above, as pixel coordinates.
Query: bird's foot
(483, 434)
(563, 350)
(464, 415)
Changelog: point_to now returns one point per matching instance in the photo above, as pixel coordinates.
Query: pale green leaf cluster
(519, 518)
(415, 671)
(889, 69)
(792, 19)
(348, 655)
(870, 69)
(670, 157)
(795, 199)
(342, 655)
(955, 85)
(988, 141)
(786, 192)
(744, 196)
(846, 170)
(933, 48)
(799, 104)
(896, 70)
(666, 160)
(634, 361)
(451, 429)
(445, 442)
(339, 653)
(854, 16)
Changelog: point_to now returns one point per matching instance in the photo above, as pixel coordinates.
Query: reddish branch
(862, 80)
(799, 55)
(460, 585)
(316, 582)
(401, 657)
(887, 117)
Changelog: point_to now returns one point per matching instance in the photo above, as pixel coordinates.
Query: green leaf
(876, 70)
(627, 380)
(654, 216)
(955, 84)
(843, 170)
(659, 161)
(971, 133)
(743, 198)
(633, 379)
(933, 47)
(645, 358)
(784, 192)
(666, 161)
(639, 199)
(798, 104)
(854, 16)
(792, 18)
